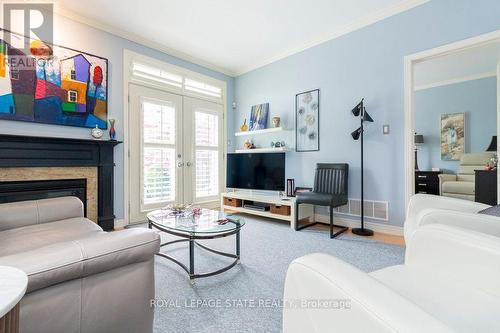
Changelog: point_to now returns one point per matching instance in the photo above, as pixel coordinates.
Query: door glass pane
(159, 175)
(206, 127)
(159, 123)
(207, 173)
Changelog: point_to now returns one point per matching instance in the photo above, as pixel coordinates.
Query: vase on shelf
(112, 131)
(244, 127)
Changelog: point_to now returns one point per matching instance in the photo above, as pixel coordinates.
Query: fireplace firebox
(14, 191)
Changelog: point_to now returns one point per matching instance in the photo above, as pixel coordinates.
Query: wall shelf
(263, 131)
(262, 150)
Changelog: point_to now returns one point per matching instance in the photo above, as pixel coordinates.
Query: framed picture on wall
(307, 121)
(258, 117)
(452, 136)
(54, 85)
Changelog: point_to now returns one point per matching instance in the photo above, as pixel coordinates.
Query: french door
(176, 150)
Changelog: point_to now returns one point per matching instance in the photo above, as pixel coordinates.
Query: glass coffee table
(209, 224)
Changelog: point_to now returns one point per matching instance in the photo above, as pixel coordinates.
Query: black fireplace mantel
(31, 151)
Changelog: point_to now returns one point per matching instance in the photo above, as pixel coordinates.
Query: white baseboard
(354, 223)
(120, 223)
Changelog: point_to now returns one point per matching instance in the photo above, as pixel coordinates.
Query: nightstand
(427, 182)
(486, 187)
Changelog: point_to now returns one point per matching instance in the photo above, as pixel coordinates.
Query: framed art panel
(452, 136)
(258, 117)
(307, 121)
(53, 84)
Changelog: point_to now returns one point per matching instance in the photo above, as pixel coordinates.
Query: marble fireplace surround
(58, 173)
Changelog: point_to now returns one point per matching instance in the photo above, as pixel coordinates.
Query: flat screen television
(256, 171)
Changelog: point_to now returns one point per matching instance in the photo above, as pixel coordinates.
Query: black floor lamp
(360, 111)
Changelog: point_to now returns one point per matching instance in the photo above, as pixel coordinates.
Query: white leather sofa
(80, 278)
(456, 212)
(448, 283)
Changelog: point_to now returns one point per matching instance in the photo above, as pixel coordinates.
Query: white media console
(306, 211)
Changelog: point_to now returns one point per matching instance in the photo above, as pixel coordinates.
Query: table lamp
(419, 139)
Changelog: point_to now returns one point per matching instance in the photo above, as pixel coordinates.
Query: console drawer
(280, 209)
(232, 202)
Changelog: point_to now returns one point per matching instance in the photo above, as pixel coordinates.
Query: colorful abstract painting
(452, 136)
(53, 85)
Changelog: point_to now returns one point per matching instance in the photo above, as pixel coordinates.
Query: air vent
(378, 210)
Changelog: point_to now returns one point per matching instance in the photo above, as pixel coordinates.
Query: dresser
(486, 187)
(427, 182)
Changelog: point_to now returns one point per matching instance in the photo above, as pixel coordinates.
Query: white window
(177, 80)
(73, 74)
(158, 153)
(156, 75)
(207, 153)
(202, 88)
(72, 96)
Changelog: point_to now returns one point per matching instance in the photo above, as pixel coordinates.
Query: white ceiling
(472, 63)
(233, 36)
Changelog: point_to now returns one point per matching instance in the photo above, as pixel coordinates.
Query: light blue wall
(366, 63)
(82, 37)
(477, 99)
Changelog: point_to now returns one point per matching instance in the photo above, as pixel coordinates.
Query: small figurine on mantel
(248, 144)
(96, 133)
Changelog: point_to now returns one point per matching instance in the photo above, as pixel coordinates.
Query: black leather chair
(330, 189)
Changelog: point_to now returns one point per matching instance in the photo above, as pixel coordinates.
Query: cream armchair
(452, 211)
(462, 185)
(448, 283)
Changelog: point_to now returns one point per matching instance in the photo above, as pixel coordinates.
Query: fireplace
(49, 163)
(14, 191)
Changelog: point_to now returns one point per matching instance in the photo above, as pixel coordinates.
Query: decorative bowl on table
(177, 209)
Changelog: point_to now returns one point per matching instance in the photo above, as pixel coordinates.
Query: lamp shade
(357, 109)
(355, 135)
(366, 117)
(419, 138)
(493, 144)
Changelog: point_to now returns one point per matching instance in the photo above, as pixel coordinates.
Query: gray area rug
(246, 298)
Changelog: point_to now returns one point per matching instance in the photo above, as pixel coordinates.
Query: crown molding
(455, 80)
(356, 25)
(60, 10)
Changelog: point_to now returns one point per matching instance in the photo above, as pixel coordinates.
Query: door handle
(180, 164)
(188, 164)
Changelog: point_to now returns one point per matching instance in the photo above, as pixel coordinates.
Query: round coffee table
(209, 224)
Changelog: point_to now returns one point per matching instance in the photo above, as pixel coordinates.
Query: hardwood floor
(378, 236)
